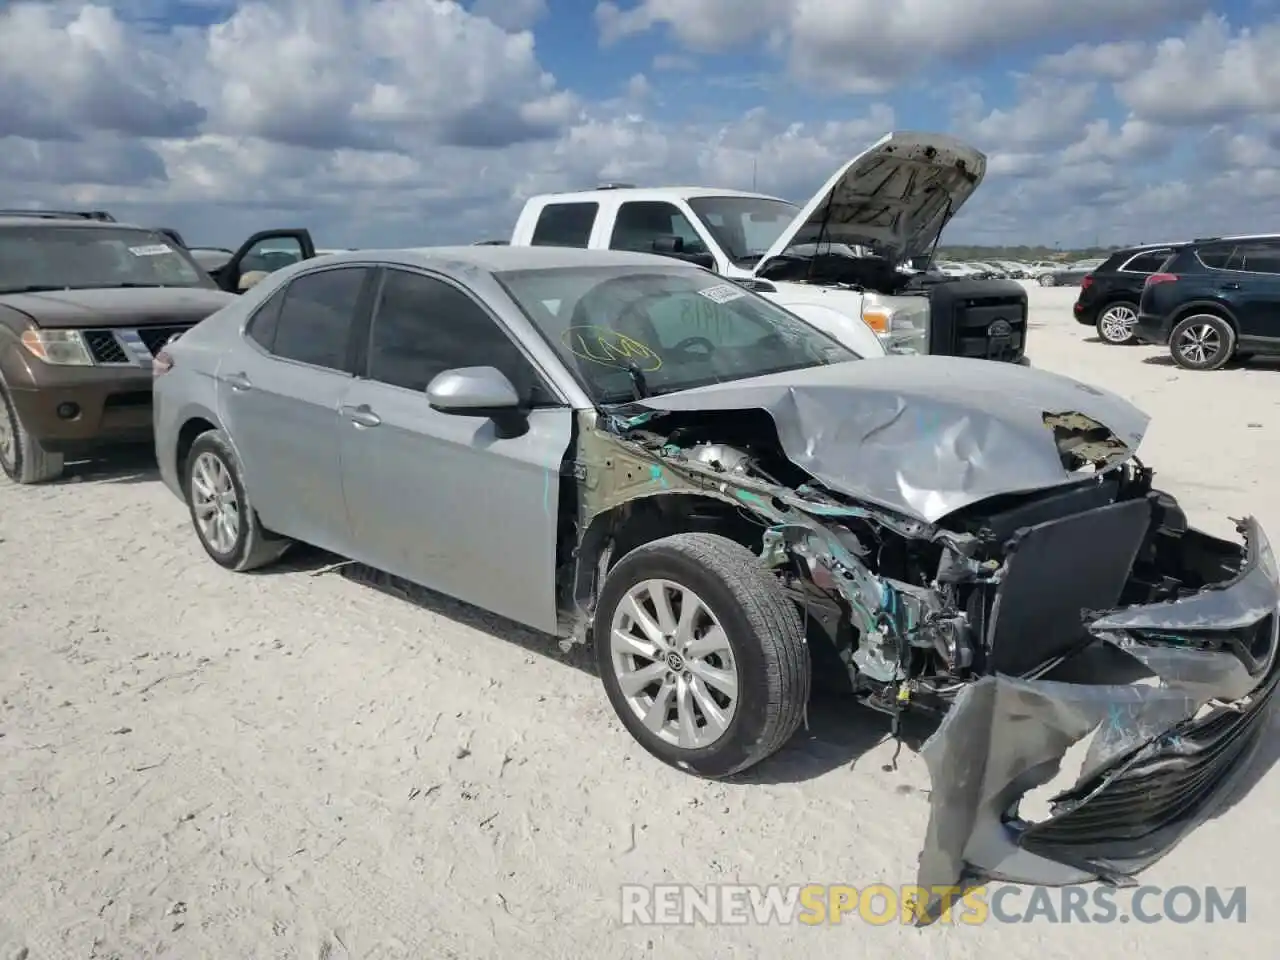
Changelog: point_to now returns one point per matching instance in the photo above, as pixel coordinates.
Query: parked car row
(1209, 301)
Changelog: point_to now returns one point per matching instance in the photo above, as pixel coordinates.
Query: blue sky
(423, 121)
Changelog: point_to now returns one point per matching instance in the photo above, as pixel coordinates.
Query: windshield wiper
(639, 388)
(122, 286)
(31, 288)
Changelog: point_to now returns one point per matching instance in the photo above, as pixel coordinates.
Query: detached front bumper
(1169, 705)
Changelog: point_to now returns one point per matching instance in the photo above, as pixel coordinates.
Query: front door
(280, 397)
(441, 499)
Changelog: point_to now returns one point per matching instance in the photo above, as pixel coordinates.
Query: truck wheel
(702, 655)
(22, 458)
(1203, 341)
(221, 512)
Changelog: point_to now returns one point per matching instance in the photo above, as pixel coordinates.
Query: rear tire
(1047, 280)
(1202, 341)
(22, 458)
(225, 521)
(1116, 322)
(759, 649)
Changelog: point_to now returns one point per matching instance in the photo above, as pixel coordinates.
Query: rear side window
(1148, 262)
(565, 225)
(263, 324)
(1216, 255)
(1115, 262)
(314, 323)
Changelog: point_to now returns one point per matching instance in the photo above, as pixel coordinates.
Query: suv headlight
(62, 347)
(902, 331)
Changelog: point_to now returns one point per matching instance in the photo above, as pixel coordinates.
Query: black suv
(1213, 300)
(1109, 296)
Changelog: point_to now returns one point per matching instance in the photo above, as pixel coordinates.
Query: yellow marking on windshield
(610, 348)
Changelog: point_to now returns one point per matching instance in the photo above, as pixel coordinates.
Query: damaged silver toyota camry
(629, 450)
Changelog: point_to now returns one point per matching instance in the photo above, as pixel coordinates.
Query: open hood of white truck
(894, 197)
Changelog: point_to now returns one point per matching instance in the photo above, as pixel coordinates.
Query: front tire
(702, 654)
(22, 458)
(1115, 323)
(223, 516)
(1202, 341)
(1046, 280)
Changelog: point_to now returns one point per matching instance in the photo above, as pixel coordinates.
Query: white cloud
(420, 121)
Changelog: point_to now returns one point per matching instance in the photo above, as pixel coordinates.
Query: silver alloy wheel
(214, 503)
(1046, 280)
(673, 663)
(1200, 343)
(1116, 325)
(8, 437)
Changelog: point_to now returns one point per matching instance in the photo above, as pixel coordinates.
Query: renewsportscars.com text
(881, 904)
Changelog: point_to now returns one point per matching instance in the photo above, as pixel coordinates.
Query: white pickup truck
(836, 261)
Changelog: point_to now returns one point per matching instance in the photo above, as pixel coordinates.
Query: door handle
(361, 416)
(1230, 286)
(238, 381)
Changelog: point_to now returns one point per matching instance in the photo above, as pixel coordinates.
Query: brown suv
(84, 305)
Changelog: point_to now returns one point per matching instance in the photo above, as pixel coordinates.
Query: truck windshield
(34, 258)
(744, 227)
(636, 331)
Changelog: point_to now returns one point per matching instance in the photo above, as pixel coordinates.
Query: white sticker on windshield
(553, 306)
(155, 250)
(723, 292)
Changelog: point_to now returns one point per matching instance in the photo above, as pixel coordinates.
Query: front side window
(315, 320)
(642, 225)
(627, 331)
(92, 257)
(423, 326)
(1256, 258)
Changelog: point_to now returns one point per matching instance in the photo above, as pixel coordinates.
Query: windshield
(631, 332)
(744, 227)
(84, 257)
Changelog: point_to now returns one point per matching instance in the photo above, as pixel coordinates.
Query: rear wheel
(1203, 341)
(1115, 323)
(221, 512)
(22, 458)
(1047, 280)
(701, 653)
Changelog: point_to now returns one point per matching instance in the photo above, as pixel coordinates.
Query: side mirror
(668, 244)
(473, 392)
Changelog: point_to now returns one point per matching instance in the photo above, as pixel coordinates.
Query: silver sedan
(629, 449)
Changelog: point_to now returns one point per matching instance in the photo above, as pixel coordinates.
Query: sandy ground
(200, 764)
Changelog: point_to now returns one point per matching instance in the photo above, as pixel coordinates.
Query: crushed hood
(927, 436)
(893, 197)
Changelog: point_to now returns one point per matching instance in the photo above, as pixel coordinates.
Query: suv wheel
(22, 458)
(701, 653)
(1115, 324)
(225, 520)
(1047, 280)
(1202, 341)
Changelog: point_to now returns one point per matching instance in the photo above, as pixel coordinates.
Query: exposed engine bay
(999, 587)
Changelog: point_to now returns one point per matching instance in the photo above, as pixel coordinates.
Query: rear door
(279, 396)
(441, 499)
(262, 254)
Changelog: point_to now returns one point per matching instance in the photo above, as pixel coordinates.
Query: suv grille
(112, 347)
(969, 319)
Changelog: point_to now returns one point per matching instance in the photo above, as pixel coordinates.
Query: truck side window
(565, 225)
(641, 222)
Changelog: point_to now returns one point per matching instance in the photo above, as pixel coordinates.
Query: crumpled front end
(1168, 706)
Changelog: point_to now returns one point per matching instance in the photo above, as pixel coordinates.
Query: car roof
(501, 259)
(652, 193)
